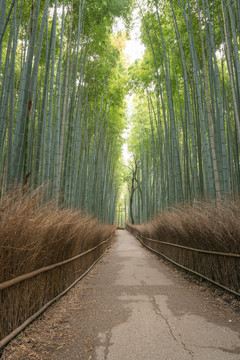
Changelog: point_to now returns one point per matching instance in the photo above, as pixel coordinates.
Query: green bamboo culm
(58, 93)
(188, 83)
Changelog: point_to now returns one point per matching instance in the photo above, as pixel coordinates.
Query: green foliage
(63, 110)
(185, 127)
(69, 109)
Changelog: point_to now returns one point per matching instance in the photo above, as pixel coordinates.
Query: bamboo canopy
(63, 81)
(58, 93)
(188, 82)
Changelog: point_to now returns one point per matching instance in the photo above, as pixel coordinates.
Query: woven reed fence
(222, 269)
(25, 297)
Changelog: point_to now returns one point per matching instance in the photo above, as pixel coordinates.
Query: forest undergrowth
(35, 234)
(205, 226)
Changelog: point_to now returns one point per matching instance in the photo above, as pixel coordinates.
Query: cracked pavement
(133, 306)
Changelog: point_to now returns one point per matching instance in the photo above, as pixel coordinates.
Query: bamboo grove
(62, 112)
(188, 107)
(61, 100)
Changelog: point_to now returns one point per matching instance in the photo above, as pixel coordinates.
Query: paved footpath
(133, 306)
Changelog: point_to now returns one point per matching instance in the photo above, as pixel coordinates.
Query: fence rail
(9, 285)
(190, 248)
(221, 269)
(30, 275)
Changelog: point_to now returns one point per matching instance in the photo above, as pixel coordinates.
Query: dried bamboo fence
(221, 269)
(25, 297)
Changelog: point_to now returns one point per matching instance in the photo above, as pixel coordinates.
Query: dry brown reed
(206, 226)
(34, 234)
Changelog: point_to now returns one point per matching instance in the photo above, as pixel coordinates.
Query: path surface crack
(159, 313)
(230, 351)
(107, 344)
